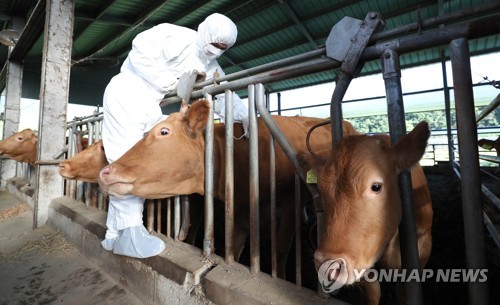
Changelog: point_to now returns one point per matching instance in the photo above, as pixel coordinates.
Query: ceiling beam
(292, 14)
(31, 33)
(151, 10)
(101, 11)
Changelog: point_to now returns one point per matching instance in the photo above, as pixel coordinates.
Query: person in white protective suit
(159, 56)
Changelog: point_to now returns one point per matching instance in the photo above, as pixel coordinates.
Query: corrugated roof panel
(96, 34)
(267, 30)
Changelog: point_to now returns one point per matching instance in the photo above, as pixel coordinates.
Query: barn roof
(267, 31)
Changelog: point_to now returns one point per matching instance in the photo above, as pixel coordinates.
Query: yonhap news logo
(333, 275)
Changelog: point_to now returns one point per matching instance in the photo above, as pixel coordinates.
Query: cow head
(21, 146)
(359, 186)
(170, 157)
(86, 165)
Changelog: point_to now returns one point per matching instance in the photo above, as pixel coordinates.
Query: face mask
(211, 52)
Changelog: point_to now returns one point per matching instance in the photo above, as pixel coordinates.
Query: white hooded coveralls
(159, 56)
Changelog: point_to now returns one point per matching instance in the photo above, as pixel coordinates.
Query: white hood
(216, 28)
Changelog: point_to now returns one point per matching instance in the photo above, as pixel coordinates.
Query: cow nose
(319, 259)
(333, 269)
(106, 171)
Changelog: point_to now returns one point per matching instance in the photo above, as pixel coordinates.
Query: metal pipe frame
(385, 35)
(490, 108)
(432, 38)
(469, 167)
(289, 151)
(397, 126)
(177, 217)
(298, 236)
(255, 96)
(272, 179)
(229, 186)
(208, 238)
(494, 159)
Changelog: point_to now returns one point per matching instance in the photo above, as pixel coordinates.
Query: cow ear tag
(311, 177)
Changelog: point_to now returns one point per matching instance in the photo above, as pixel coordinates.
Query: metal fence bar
(229, 186)
(298, 236)
(150, 220)
(469, 167)
(492, 229)
(158, 204)
(494, 159)
(208, 239)
(272, 179)
(177, 216)
(253, 95)
(185, 218)
(169, 218)
(490, 108)
(397, 126)
(432, 38)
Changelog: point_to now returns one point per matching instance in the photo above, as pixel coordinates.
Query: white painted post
(54, 94)
(12, 106)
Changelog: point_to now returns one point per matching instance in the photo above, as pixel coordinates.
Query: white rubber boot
(137, 242)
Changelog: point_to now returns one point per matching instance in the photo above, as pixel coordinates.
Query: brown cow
(359, 186)
(20, 146)
(85, 166)
(172, 155)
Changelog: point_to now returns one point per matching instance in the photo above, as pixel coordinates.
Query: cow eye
(19, 138)
(376, 187)
(164, 131)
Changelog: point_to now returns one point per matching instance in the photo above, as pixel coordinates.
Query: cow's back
(295, 130)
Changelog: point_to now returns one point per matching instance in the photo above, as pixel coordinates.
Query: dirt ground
(41, 267)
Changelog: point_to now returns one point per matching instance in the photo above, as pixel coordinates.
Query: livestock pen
(214, 269)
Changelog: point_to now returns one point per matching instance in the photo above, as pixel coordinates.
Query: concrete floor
(41, 267)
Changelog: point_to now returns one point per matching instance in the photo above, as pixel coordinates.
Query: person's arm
(152, 55)
(239, 108)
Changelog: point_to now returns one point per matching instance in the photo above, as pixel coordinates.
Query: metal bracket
(349, 37)
(346, 43)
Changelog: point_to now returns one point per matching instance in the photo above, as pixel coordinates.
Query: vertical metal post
(150, 210)
(158, 215)
(185, 218)
(469, 167)
(169, 217)
(447, 109)
(177, 216)
(208, 238)
(229, 188)
(298, 237)
(272, 179)
(336, 107)
(254, 92)
(397, 125)
(279, 103)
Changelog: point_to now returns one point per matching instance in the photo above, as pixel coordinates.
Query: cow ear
(309, 162)
(411, 147)
(196, 117)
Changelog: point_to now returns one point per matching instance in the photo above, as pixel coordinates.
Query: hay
(14, 211)
(48, 244)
